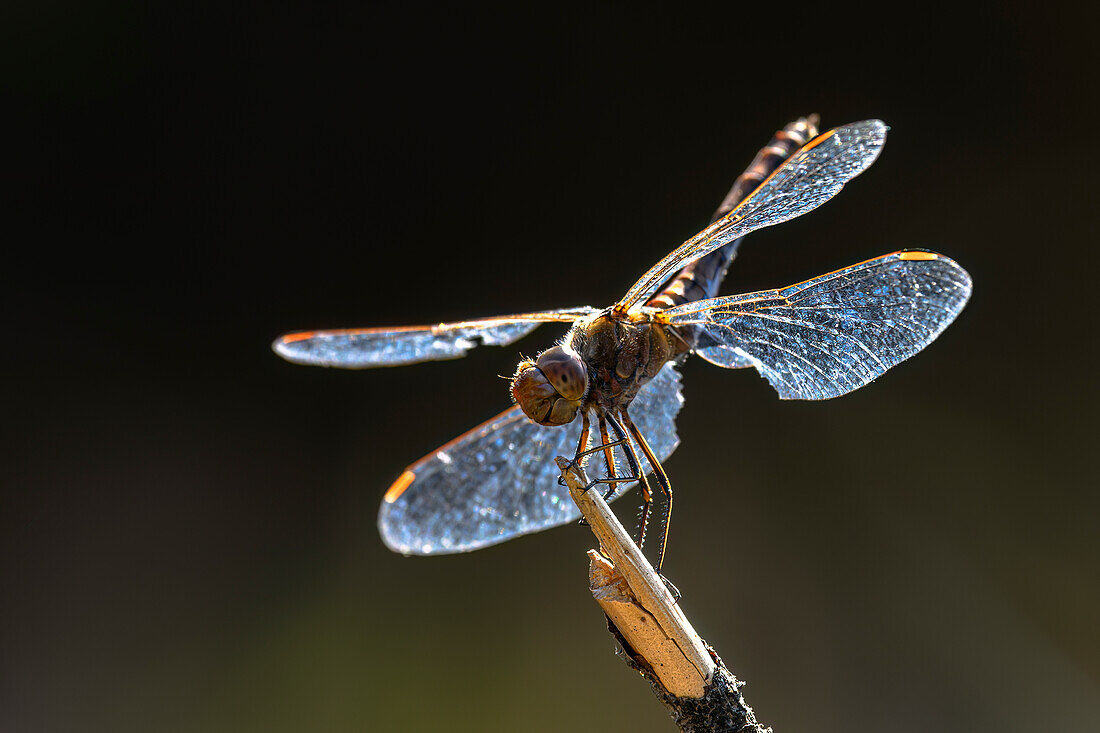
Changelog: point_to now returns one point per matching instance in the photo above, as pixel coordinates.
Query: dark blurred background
(188, 524)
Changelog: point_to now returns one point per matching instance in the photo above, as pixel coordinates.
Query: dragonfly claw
(676, 596)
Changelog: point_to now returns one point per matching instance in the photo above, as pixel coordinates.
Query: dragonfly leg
(583, 451)
(596, 449)
(676, 595)
(586, 429)
(594, 482)
(613, 479)
(635, 466)
(662, 480)
(579, 458)
(609, 457)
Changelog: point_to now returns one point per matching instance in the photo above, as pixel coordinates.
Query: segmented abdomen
(702, 278)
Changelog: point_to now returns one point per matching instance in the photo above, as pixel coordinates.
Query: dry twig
(658, 640)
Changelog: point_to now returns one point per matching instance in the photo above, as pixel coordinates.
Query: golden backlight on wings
(616, 367)
(809, 178)
(364, 348)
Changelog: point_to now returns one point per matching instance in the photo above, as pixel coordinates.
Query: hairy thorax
(622, 353)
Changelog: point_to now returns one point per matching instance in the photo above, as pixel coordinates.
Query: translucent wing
(808, 179)
(361, 348)
(500, 481)
(830, 335)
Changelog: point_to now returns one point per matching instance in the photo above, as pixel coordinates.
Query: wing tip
(924, 255)
(877, 126)
(876, 129)
(281, 346)
(392, 543)
(393, 524)
(285, 347)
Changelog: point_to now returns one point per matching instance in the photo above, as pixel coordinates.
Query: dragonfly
(616, 369)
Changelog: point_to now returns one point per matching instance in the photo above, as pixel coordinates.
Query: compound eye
(565, 370)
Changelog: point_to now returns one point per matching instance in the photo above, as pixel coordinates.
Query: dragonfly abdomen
(702, 278)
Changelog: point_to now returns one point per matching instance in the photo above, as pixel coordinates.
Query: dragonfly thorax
(551, 389)
(622, 354)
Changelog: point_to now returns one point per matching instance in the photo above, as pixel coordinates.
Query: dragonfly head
(551, 388)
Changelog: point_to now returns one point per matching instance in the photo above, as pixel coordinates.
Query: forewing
(830, 335)
(362, 348)
(500, 481)
(808, 179)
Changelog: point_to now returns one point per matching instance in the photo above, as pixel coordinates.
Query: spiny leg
(662, 480)
(582, 451)
(636, 467)
(608, 457)
(597, 449)
(582, 444)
